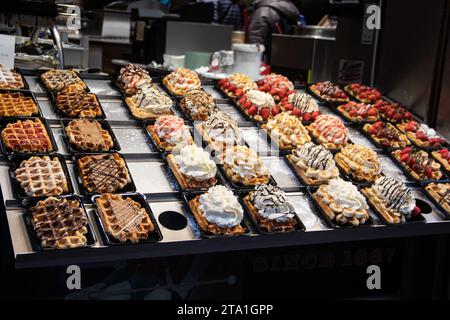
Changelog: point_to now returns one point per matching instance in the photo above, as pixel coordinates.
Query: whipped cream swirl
(222, 129)
(195, 163)
(272, 203)
(221, 207)
(172, 130)
(347, 195)
(260, 99)
(244, 162)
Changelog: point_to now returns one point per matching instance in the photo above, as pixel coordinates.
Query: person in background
(226, 12)
(270, 16)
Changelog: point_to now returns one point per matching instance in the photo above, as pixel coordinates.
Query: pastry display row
(226, 186)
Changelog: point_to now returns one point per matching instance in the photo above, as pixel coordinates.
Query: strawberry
(290, 92)
(408, 115)
(416, 211)
(363, 95)
(275, 110)
(377, 124)
(390, 113)
(239, 92)
(247, 104)
(222, 82)
(282, 92)
(404, 157)
(242, 100)
(264, 113)
(288, 106)
(225, 85)
(232, 87)
(372, 112)
(343, 95)
(397, 116)
(406, 150)
(265, 87)
(252, 111)
(315, 114)
(444, 153)
(306, 117)
(273, 92)
(296, 112)
(421, 136)
(429, 172)
(352, 112)
(411, 161)
(373, 130)
(411, 126)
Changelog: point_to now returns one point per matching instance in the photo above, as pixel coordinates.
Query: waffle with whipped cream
(169, 132)
(181, 81)
(329, 131)
(133, 78)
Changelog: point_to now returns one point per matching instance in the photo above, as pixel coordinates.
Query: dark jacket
(267, 13)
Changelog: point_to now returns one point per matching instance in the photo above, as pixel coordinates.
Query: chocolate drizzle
(302, 101)
(394, 193)
(316, 156)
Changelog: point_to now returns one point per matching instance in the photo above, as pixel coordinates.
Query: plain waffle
(27, 136)
(88, 135)
(42, 176)
(59, 223)
(16, 104)
(103, 173)
(123, 218)
(74, 101)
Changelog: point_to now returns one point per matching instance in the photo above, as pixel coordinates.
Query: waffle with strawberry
(443, 156)
(418, 164)
(236, 85)
(329, 131)
(421, 135)
(258, 105)
(392, 112)
(359, 112)
(276, 85)
(301, 105)
(328, 91)
(386, 135)
(363, 93)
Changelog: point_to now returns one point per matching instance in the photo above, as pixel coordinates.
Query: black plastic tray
(154, 236)
(300, 227)
(26, 94)
(444, 214)
(41, 71)
(52, 95)
(245, 223)
(418, 219)
(14, 163)
(331, 223)
(34, 240)
(5, 121)
(130, 187)
(104, 124)
(411, 178)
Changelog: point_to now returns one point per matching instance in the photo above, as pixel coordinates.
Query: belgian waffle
(59, 223)
(27, 136)
(88, 135)
(440, 192)
(123, 218)
(103, 173)
(9, 79)
(16, 104)
(55, 80)
(74, 101)
(42, 176)
(211, 228)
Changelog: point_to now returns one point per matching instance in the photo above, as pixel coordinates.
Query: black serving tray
(300, 227)
(130, 187)
(418, 219)
(104, 124)
(5, 121)
(443, 213)
(52, 95)
(411, 178)
(34, 240)
(331, 223)
(154, 236)
(16, 160)
(26, 94)
(41, 71)
(245, 223)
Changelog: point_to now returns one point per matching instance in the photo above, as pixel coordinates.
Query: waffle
(286, 131)
(336, 213)
(132, 78)
(210, 228)
(329, 92)
(186, 182)
(56, 80)
(197, 105)
(74, 101)
(103, 173)
(169, 132)
(149, 103)
(123, 218)
(440, 192)
(16, 104)
(9, 79)
(88, 135)
(27, 136)
(180, 81)
(359, 162)
(329, 131)
(386, 135)
(59, 223)
(242, 165)
(445, 162)
(42, 176)
(418, 164)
